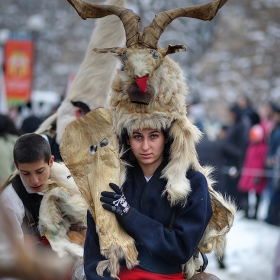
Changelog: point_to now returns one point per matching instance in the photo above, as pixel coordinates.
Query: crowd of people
(246, 156)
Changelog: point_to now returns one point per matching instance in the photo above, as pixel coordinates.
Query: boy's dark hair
(31, 147)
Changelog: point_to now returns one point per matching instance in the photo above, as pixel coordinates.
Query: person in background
(8, 136)
(247, 110)
(30, 124)
(233, 147)
(210, 153)
(266, 114)
(253, 176)
(273, 214)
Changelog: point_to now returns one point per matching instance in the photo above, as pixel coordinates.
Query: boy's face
(36, 174)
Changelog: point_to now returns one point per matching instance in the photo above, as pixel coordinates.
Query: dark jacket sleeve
(178, 244)
(92, 254)
(274, 142)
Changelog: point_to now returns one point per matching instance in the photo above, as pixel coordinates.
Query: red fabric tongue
(142, 83)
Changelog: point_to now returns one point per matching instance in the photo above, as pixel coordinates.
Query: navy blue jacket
(163, 243)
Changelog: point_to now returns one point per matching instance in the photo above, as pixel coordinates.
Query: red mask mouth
(142, 83)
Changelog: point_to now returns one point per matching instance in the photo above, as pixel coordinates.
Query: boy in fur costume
(40, 220)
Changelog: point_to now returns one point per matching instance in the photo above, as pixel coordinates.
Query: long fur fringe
(113, 256)
(61, 206)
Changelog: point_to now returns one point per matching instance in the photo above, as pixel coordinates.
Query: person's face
(276, 117)
(36, 174)
(242, 102)
(147, 146)
(231, 117)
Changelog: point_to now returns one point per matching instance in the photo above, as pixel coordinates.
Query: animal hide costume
(149, 91)
(90, 149)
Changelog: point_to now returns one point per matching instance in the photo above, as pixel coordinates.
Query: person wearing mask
(253, 176)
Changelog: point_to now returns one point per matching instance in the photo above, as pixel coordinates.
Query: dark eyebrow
(23, 170)
(39, 169)
(154, 131)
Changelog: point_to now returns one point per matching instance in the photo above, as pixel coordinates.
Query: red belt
(45, 241)
(140, 274)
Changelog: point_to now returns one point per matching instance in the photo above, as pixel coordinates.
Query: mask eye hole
(93, 149)
(156, 54)
(104, 142)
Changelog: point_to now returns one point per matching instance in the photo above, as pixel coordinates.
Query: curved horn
(128, 17)
(206, 11)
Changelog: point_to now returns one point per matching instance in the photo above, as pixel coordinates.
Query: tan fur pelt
(65, 115)
(214, 237)
(62, 206)
(191, 267)
(96, 71)
(90, 150)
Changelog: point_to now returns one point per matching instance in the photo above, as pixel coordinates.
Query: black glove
(115, 201)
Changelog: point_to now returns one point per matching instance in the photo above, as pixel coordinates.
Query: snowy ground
(250, 251)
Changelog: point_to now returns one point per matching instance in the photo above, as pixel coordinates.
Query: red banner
(18, 62)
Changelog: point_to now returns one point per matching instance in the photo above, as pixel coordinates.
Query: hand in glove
(115, 201)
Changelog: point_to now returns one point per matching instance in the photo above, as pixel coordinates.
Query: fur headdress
(149, 91)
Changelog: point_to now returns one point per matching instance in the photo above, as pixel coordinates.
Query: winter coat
(253, 172)
(233, 148)
(210, 153)
(274, 141)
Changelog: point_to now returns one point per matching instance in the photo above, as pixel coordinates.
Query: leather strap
(204, 258)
